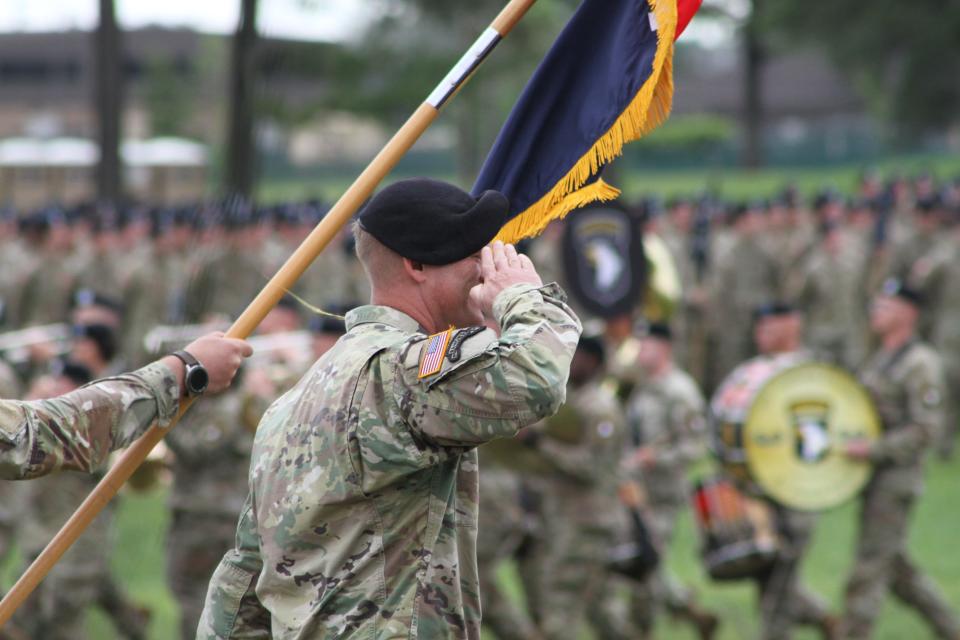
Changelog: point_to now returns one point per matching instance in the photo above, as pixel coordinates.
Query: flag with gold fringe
(608, 80)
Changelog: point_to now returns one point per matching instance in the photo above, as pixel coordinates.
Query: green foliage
(905, 56)
(690, 133)
(168, 95)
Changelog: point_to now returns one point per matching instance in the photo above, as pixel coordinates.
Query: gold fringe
(648, 110)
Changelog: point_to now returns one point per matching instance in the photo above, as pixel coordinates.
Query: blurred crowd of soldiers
(81, 290)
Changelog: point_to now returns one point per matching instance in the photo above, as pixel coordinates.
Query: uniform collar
(370, 314)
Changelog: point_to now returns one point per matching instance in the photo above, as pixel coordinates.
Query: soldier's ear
(414, 270)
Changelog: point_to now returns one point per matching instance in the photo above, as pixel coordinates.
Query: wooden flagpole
(284, 280)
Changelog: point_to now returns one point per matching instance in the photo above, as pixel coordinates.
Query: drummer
(783, 601)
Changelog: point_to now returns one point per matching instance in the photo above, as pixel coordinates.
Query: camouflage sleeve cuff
(158, 378)
(506, 298)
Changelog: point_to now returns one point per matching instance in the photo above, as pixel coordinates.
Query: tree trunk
(108, 103)
(241, 152)
(754, 57)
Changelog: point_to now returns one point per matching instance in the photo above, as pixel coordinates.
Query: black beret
(773, 309)
(895, 288)
(433, 222)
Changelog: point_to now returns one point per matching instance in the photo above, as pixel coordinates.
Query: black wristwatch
(195, 379)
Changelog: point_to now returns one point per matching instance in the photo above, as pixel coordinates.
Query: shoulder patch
(456, 344)
(432, 360)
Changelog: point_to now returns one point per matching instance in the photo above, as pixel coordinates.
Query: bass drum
(780, 425)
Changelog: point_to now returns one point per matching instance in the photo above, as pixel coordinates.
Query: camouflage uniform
(504, 526)
(666, 414)
(82, 577)
(225, 284)
(77, 430)
(745, 277)
(362, 514)
(939, 279)
(907, 386)
(783, 600)
(153, 296)
(827, 288)
(212, 454)
(581, 511)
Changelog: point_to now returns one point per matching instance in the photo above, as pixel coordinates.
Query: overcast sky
(300, 19)
(296, 19)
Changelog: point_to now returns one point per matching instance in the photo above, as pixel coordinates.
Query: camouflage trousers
(782, 600)
(503, 528)
(883, 563)
(661, 589)
(195, 544)
(573, 575)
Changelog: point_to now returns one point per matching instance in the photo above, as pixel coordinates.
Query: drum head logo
(811, 425)
(604, 260)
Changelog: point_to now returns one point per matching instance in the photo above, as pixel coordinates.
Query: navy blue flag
(606, 81)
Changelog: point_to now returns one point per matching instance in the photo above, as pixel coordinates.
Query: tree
(905, 57)
(108, 104)
(241, 152)
(168, 97)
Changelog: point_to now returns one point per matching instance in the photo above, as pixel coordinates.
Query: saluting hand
(501, 267)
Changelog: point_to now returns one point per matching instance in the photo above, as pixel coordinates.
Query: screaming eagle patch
(436, 349)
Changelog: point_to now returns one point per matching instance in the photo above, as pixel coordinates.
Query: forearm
(78, 430)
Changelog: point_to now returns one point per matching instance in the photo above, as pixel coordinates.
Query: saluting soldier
(362, 512)
(905, 378)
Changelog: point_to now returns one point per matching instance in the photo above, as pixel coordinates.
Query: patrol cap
(433, 222)
(895, 288)
(772, 310)
(103, 336)
(659, 330)
(593, 344)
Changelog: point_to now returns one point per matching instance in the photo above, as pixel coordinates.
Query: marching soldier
(905, 378)
(667, 426)
(783, 601)
(362, 513)
(581, 447)
(937, 277)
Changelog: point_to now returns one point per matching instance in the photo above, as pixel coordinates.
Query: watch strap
(185, 357)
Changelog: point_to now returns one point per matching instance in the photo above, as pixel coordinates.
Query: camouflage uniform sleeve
(489, 388)
(923, 416)
(78, 430)
(232, 609)
(685, 434)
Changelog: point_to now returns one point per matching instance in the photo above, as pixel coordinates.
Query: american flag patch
(433, 354)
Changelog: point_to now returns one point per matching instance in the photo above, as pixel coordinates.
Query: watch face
(197, 380)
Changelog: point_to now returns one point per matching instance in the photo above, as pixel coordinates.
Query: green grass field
(731, 182)
(142, 522)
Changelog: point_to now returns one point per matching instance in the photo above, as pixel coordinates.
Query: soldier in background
(745, 277)
(82, 577)
(232, 276)
(937, 277)
(783, 600)
(45, 293)
(827, 289)
(211, 454)
(666, 424)
(905, 378)
(581, 514)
